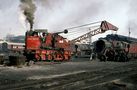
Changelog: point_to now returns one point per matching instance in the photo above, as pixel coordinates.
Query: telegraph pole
(90, 43)
(129, 32)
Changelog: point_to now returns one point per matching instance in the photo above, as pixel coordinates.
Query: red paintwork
(48, 40)
(32, 42)
(60, 52)
(133, 48)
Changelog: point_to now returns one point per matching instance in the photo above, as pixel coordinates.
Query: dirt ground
(73, 75)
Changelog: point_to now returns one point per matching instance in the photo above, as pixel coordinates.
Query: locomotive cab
(33, 39)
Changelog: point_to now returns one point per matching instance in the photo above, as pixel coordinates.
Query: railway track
(93, 82)
(83, 80)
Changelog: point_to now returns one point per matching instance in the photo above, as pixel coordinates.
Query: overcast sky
(55, 15)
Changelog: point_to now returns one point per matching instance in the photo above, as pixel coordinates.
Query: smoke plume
(28, 8)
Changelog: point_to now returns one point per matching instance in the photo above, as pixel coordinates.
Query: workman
(43, 38)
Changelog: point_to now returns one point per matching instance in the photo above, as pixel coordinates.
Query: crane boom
(105, 26)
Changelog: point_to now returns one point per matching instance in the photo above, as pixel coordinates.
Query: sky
(56, 15)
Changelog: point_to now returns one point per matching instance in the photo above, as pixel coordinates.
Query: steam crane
(42, 45)
(102, 28)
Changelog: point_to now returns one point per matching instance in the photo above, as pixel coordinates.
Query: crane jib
(105, 26)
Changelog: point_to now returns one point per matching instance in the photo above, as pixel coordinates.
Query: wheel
(102, 58)
(124, 58)
(117, 58)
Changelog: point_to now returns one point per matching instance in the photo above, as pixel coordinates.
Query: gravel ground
(110, 74)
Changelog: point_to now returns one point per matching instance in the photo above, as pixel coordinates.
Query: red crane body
(54, 47)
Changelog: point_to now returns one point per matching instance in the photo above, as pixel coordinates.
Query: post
(90, 43)
(129, 32)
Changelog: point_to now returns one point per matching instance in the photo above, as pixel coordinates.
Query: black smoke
(29, 9)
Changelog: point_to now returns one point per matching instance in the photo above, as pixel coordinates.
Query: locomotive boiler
(116, 48)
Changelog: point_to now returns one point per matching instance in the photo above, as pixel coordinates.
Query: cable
(83, 25)
(78, 31)
(84, 29)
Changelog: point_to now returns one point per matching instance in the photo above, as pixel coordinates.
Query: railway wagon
(132, 50)
(11, 47)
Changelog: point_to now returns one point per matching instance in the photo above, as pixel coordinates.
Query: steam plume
(28, 8)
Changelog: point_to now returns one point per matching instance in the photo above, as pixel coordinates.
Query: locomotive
(41, 45)
(116, 48)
